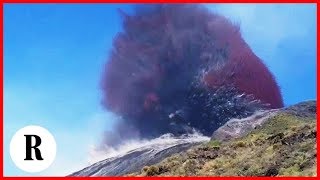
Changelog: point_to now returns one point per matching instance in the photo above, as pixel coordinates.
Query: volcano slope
(147, 153)
(283, 144)
(278, 142)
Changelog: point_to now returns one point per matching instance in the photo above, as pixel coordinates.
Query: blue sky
(53, 57)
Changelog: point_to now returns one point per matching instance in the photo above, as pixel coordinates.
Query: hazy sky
(53, 57)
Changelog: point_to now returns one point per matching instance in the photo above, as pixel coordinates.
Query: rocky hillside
(274, 143)
(279, 142)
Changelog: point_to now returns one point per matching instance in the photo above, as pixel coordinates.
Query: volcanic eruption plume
(178, 68)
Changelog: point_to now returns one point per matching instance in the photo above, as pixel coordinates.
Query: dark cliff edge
(279, 142)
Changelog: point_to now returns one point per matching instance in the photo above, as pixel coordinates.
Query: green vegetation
(284, 146)
(214, 143)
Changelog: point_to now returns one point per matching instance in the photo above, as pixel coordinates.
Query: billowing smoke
(179, 68)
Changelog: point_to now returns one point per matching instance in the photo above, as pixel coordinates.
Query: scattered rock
(272, 171)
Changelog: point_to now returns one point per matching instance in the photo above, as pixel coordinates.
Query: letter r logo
(33, 149)
(29, 147)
